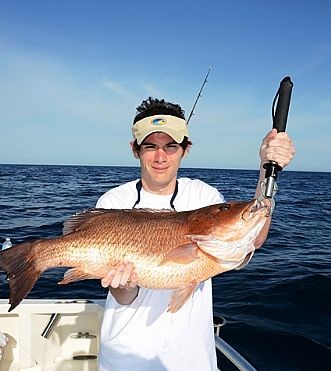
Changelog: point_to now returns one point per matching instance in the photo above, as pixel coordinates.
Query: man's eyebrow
(148, 143)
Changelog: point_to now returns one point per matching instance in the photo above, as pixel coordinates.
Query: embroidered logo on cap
(159, 121)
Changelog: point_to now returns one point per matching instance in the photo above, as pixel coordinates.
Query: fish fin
(180, 297)
(22, 274)
(229, 255)
(74, 275)
(183, 254)
(155, 211)
(208, 244)
(77, 221)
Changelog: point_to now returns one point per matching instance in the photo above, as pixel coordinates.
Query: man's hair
(154, 106)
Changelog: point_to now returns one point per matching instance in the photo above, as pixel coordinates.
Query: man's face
(160, 158)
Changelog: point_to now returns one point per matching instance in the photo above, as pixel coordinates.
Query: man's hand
(122, 282)
(277, 147)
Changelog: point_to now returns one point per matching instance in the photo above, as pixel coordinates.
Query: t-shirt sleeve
(105, 202)
(207, 194)
(216, 197)
(121, 197)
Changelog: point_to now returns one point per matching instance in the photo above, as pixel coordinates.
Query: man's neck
(159, 189)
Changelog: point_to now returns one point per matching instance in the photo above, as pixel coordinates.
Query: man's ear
(187, 150)
(135, 153)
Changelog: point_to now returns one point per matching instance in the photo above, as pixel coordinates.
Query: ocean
(277, 309)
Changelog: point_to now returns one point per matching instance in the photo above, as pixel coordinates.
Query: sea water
(278, 308)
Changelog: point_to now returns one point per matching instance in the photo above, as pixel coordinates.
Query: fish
(170, 250)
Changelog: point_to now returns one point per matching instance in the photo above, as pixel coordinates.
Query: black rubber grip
(283, 98)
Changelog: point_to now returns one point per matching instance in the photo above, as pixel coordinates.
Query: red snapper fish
(170, 250)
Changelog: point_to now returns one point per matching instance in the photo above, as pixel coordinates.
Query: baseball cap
(171, 125)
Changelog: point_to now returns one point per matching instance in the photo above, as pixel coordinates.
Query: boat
(63, 335)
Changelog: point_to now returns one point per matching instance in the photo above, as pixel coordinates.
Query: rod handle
(283, 98)
(280, 108)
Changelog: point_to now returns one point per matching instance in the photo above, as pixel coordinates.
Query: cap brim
(174, 126)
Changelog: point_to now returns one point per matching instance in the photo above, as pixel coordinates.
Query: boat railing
(222, 346)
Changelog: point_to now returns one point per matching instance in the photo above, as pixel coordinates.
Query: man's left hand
(277, 147)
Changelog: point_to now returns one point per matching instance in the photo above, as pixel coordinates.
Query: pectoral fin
(230, 255)
(74, 275)
(180, 297)
(184, 254)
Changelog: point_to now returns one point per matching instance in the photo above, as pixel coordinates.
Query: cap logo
(159, 121)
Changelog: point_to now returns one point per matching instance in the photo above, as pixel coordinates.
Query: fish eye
(224, 207)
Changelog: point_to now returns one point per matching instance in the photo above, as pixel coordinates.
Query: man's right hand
(122, 283)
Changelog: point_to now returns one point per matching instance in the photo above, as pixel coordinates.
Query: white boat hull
(72, 344)
(64, 335)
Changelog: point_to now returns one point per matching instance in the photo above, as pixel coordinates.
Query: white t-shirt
(143, 336)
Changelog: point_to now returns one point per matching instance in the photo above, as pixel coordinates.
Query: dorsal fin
(73, 223)
(150, 210)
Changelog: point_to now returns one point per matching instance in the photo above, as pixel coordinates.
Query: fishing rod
(280, 108)
(198, 96)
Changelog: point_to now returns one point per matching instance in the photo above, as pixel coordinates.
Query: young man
(138, 334)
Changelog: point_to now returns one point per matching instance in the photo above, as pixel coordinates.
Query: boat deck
(63, 335)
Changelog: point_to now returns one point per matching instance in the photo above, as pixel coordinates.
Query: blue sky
(73, 72)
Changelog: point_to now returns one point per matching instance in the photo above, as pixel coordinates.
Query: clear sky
(73, 72)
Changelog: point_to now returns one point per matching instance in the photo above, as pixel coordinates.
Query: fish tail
(22, 273)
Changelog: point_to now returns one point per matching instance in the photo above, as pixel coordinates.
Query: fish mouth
(257, 207)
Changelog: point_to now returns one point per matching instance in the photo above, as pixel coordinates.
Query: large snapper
(170, 250)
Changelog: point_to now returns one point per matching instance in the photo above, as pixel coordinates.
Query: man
(138, 334)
